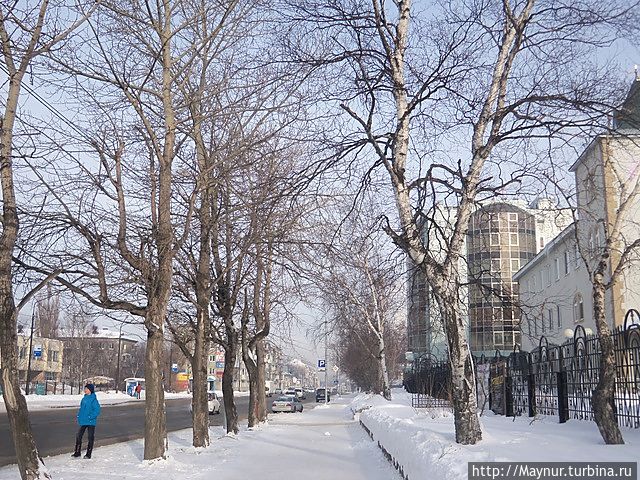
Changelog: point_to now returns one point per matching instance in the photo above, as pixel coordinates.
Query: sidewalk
(322, 443)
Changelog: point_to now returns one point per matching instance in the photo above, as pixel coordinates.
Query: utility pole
(326, 363)
(118, 363)
(33, 319)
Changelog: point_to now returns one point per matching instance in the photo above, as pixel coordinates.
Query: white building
(555, 287)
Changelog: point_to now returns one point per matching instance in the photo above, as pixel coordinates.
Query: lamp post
(33, 319)
(118, 362)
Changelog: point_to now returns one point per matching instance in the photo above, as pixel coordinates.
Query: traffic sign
(37, 351)
(322, 364)
(335, 368)
(174, 368)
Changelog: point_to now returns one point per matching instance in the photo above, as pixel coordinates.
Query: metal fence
(552, 380)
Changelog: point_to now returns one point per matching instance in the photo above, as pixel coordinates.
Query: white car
(300, 394)
(287, 403)
(213, 401)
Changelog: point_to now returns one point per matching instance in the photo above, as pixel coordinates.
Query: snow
(318, 444)
(43, 402)
(423, 440)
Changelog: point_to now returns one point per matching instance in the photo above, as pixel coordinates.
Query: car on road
(213, 401)
(287, 403)
(300, 394)
(320, 395)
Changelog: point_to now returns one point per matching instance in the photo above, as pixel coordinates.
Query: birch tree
(497, 74)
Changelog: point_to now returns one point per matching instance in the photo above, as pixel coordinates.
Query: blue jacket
(89, 410)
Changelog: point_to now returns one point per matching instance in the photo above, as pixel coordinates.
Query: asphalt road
(55, 428)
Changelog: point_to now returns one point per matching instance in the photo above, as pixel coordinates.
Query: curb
(386, 454)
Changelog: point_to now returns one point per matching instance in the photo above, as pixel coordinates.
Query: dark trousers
(92, 432)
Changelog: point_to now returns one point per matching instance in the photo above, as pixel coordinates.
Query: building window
(513, 217)
(558, 316)
(566, 262)
(495, 239)
(550, 318)
(52, 356)
(513, 239)
(578, 308)
(541, 242)
(23, 352)
(495, 265)
(557, 267)
(515, 264)
(577, 255)
(50, 376)
(111, 346)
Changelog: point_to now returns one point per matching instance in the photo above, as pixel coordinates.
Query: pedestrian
(87, 417)
(138, 390)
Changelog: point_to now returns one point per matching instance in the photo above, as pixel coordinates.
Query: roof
(627, 117)
(545, 252)
(103, 333)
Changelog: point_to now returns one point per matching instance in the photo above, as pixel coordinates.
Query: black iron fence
(552, 380)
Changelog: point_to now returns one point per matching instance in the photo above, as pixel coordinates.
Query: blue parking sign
(322, 364)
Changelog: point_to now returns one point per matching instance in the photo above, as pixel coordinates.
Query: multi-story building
(501, 237)
(555, 287)
(46, 358)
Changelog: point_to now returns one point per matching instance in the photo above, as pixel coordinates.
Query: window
(558, 317)
(541, 242)
(578, 308)
(550, 318)
(566, 262)
(513, 239)
(52, 355)
(513, 217)
(50, 376)
(495, 265)
(557, 268)
(577, 255)
(111, 346)
(211, 358)
(515, 264)
(495, 239)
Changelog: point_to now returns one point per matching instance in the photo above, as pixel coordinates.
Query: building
(555, 286)
(501, 237)
(91, 351)
(46, 360)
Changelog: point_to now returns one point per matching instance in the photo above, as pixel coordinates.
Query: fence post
(531, 388)
(563, 394)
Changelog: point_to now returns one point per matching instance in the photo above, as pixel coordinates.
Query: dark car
(320, 395)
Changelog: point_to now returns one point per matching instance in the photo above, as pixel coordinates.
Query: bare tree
(495, 74)
(28, 30)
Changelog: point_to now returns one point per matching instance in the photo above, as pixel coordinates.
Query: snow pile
(423, 442)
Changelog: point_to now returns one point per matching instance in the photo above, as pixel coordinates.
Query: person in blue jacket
(87, 417)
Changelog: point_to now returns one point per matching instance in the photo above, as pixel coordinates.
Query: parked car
(213, 401)
(300, 394)
(278, 391)
(287, 403)
(290, 391)
(320, 395)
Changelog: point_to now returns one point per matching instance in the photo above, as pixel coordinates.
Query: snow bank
(422, 441)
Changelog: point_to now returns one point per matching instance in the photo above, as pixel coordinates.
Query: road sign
(174, 368)
(335, 369)
(219, 364)
(37, 351)
(322, 365)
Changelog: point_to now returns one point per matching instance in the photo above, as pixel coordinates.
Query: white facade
(555, 287)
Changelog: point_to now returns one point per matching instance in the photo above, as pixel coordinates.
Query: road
(55, 429)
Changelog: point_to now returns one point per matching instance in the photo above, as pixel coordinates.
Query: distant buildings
(46, 361)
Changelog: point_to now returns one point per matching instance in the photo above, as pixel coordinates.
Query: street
(55, 429)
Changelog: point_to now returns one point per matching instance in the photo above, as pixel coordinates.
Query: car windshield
(285, 398)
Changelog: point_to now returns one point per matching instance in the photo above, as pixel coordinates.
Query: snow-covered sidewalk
(43, 402)
(321, 443)
(423, 441)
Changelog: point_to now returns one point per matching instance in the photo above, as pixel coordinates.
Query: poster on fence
(482, 385)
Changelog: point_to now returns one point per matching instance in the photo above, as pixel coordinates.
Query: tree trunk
(384, 372)
(602, 399)
(27, 456)
(155, 421)
(230, 356)
(261, 403)
(199, 401)
(467, 424)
